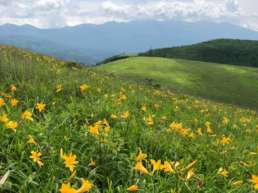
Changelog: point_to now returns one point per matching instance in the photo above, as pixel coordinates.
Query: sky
(60, 13)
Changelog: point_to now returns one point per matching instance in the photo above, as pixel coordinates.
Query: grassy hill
(225, 83)
(228, 51)
(61, 122)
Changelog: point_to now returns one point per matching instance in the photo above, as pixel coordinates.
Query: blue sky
(59, 13)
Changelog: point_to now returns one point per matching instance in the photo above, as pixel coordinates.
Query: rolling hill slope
(225, 83)
(228, 51)
(67, 128)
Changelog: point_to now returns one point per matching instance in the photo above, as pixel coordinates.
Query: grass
(224, 83)
(106, 122)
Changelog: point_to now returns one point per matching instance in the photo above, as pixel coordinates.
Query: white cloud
(57, 13)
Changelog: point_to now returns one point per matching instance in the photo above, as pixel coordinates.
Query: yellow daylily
(35, 156)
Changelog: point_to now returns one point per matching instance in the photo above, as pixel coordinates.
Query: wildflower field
(71, 129)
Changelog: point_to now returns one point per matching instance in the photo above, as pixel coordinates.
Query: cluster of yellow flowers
(179, 129)
(169, 167)
(70, 161)
(121, 97)
(26, 115)
(149, 120)
(96, 128)
(85, 187)
(125, 115)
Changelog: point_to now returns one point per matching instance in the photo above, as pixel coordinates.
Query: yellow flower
(2, 102)
(84, 88)
(125, 115)
(141, 156)
(113, 116)
(179, 129)
(176, 126)
(199, 131)
(156, 165)
(144, 108)
(133, 188)
(94, 130)
(14, 102)
(225, 121)
(190, 174)
(149, 120)
(254, 180)
(59, 88)
(11, 125)
(27, 115)
(92, 163)
(223, 172)
(167, 168)
(86, 186)
(140, 168)
(70, 161)
(40, 107)
(13, 88)
(4, 118)
(66, 188)
(107, 130)
(31, 140)
(208, 127)
(225, 140)
(121, 97)
(35, 156)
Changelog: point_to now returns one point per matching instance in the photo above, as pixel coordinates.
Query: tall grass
(198, 139)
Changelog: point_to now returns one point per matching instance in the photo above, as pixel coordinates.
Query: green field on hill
(225, 83)
(66, 128)
(226, 51)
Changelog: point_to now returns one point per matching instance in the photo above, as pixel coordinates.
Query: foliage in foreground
(70, 130)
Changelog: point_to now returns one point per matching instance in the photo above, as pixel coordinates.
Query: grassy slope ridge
(237, 52)
(225, 83)
(207, 146)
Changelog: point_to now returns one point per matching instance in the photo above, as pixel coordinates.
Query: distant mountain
(58, 50)
(227, 51)
(91, 43)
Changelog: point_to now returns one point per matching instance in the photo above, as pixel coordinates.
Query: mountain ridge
(132, 37)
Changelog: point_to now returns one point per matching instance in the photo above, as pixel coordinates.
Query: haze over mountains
(90, 43)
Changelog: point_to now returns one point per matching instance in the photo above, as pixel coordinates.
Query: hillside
(227, 51)
(66, 128)
(225, 83)
(90, 43)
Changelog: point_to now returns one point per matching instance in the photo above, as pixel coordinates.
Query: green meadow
(65, 128)
(225, 83)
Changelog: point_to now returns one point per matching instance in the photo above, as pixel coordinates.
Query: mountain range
(89, 43)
